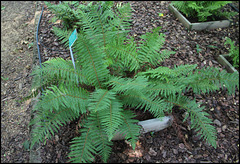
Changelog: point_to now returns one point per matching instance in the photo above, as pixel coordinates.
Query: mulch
(177, 143)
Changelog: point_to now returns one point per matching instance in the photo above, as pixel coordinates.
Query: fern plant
(203, 9)
(68, 11)
(113, 73)
(233, 52)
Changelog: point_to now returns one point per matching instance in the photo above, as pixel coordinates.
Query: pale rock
(217, 122)
(152, 152)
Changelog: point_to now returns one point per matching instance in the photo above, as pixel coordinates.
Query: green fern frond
(201, 9)
(111, 118)
(135, 92)
(104, 147)
(93, 140)
(166, 74)
(55, 98)
(199, 120)
(124, 53)
(64, 12)
(58, 69)
(165, 89)
(121, 85)
(102, 142)
(148, 49)
(63, 35)
(140, 100)
(51, 123)
(123, 18)
(129, 128)
(211, 79)
(100, 99)
(100, 86)
(83, 147)
(92, 60)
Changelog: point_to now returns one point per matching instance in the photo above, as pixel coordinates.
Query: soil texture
(17, 37)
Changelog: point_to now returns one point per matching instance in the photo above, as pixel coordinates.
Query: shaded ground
(175, 144)
(17, 32)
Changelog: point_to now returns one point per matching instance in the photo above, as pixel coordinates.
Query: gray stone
(217, 122)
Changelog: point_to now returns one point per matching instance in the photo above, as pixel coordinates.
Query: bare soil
(175, 144)
(17, 32)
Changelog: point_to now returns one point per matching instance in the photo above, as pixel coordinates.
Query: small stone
(181, 146)
(28, 67)
(175, 151)
(222, 135)
(205, 155)
(20, 86)
(210, 63)
(56, 138)
(18, 78)
(152, 152)
(219, 130)
(147, 157)
(150, 140)
(122, 156)
(130, 160)
(217, 122)
(224, 127)
(164, 154)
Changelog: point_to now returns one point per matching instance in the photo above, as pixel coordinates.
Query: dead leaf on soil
(33, 20)
(27, 102)
(58, 22)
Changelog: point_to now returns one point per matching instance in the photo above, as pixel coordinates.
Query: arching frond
(93, 140)
(63, 35)
(59, 70)
(166, 74)
(140, 100)
(211, 79)
(100, 100)
(199, 120)
(111, 118)
(51, 123)
(92, 61)
(83, 147)
(57, 98)
(124, 53)
(129, 128)
(148, 51)
(119, 84)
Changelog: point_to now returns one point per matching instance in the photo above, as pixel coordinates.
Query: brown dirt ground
(17, 31)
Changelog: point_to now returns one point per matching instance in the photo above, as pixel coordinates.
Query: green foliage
(198, 48)
(3, 78)
(233, 52)
(69, 11)
(2, 8)
(203, 9)
(113, 73)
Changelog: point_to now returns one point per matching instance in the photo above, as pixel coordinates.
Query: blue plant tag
(73, 38)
